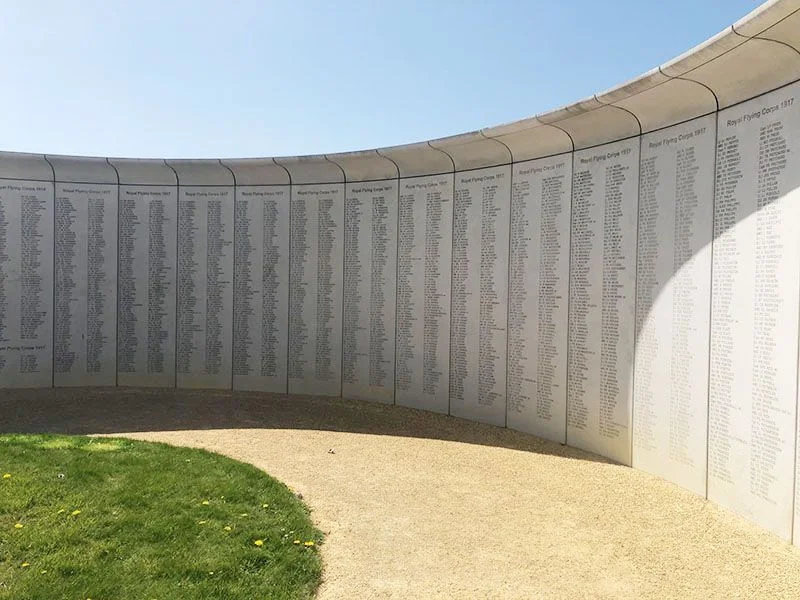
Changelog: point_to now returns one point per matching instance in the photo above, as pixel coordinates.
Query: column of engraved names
(647, 288)
(32, 307)
(770, 249)
(379, 367)
(582, 249)
(553, 197)
(65, 283)
(129, 231)
(433, 310)
(96, 281)
(613, 269)
(461, 269)
(243, 292)
(684, 304)
(188, 267)
(5, 261)
(298, 258)
(725, 270)
(215, 283)
(489, 352)
(270, 281)
(23, 209)
(407, 265)
(353, 280)
(326, 234)
(158, 285)
(518, 382)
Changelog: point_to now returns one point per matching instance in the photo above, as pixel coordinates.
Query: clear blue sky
(266, 78)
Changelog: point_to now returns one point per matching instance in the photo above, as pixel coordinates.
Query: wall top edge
(312, 169)
(73, 169)
(257, 171)
(25, 166)
(765, 16)
(201, 172)
(133, 171)
(366, 166)
(551, 132)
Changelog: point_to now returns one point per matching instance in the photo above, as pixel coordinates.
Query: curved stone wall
(622, 274)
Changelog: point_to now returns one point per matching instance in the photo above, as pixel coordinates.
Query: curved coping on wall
(202, 173)
(70, 169)
(143, 172)
(257, 171)
(365, 166)
(28, 167)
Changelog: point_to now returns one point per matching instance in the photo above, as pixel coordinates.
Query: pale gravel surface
(418, 505)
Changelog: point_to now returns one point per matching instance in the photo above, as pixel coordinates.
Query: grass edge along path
(112, 518)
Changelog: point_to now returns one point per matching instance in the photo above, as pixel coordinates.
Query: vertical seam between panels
(452, 247)
(116, 328)
(508, 268)
(55, 280)
(396, 280)
(177, 265)
(233, 278)
(344, 249)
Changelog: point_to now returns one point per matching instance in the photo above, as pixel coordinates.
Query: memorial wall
(621, 275)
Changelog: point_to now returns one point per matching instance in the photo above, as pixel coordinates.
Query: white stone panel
(205, 287)
(261, 290)
(370, 291)
(425, 232)
(85, 336)
(605, 185)
(670, 401)
(315, 289)
(148, 221)
(538, 297)
(479, 294)
(754, 324)
(26, 283)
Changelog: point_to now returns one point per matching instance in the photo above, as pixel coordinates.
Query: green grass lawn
(107, 519)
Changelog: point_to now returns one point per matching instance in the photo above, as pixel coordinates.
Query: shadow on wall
(82, 411)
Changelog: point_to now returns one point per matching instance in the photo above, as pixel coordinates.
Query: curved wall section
(621, 274)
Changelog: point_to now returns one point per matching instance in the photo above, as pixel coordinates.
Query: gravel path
(418, 505)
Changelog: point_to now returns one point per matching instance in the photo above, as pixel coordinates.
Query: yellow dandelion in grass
(308, 544)
(25, 565)
(18, 526)
(227, 528)
(296, 542)
(6, 475)
(61, 511)
(259, 543)
(75, 513)
(202, 522)
(205, 503)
